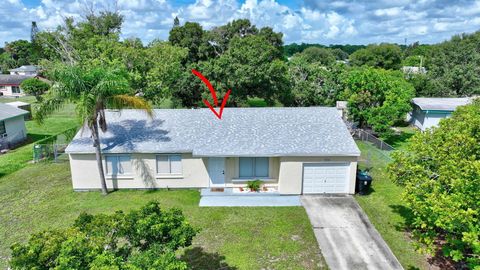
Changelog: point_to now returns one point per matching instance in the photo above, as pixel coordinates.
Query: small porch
(233, 197)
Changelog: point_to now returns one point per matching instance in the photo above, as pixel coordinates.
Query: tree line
(253, 63)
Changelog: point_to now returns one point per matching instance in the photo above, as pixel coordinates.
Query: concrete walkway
(346, 237)
(241, 200)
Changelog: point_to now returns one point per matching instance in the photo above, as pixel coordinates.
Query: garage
(325, 178)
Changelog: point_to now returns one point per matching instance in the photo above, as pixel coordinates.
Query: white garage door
(325, 178)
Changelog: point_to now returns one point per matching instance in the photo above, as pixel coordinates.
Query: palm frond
(133, 102)
(49, 104)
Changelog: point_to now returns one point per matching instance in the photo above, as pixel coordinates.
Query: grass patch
(18, 158)
(28, 99)
(386, 210)
(399, 140)
(40, 197)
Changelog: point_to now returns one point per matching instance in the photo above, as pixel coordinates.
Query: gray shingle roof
(440, 104)
(13, 79)
(8, 111)
(314, 131)
(28, 68)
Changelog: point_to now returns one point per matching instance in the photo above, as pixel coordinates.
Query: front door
(216, 171)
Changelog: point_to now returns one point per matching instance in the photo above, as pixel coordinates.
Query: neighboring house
(292, 150)
(413, 70)
(25, 70)
(10, 85)
(12, 126)
(427, 112)
(24, 106)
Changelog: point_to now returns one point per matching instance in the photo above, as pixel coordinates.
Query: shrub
(440, 171)
(34, 87)
(142, 239)
(254, 185)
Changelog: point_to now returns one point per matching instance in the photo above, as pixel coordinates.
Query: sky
(310, 21)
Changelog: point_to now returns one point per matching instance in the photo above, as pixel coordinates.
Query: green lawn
(28, 99)
(386, 210)
(19, 157)
(40, 197)
(398, 141)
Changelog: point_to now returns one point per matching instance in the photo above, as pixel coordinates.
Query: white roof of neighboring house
(7, 111)
(27, 68)
(440, 104)
(17, 103)
(313, 131)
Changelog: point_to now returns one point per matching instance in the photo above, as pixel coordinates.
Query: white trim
(263, 179)
(169, 176)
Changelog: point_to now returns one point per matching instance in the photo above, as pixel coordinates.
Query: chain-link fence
(365, 136)
(53, 147)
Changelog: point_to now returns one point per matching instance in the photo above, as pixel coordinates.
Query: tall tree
(322, 56)
(377, 98)
(454, 65)
(33, 32)
(165, 70)
(92, 91)
(312, 84)
(251, 67)
(384, 55)
(188, 36)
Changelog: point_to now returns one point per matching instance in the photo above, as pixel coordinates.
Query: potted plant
(254, 185)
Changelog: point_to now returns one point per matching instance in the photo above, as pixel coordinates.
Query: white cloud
(339, 21)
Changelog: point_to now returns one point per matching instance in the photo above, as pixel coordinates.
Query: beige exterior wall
(291, 172)
(85, 174)
(284, 172)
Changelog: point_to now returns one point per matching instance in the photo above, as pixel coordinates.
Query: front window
(118, 165)
(15, 89)
(253, 167)
(169, 164)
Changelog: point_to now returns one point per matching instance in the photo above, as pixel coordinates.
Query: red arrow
(214, 95)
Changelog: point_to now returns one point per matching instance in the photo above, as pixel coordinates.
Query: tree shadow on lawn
(198, 259)
(407, 215)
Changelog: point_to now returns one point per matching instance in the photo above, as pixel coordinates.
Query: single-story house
(10, 84)
(28, 70)
(427, 112)
(292, 150)
(12, 125)
(24, 106)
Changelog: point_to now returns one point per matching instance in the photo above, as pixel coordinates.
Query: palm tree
(92, 91)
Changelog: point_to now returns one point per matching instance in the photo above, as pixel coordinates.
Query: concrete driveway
(346, 237)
